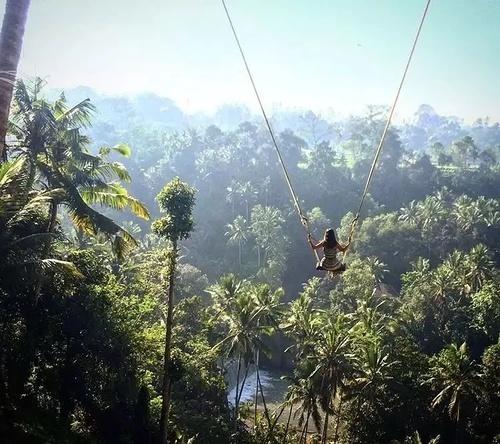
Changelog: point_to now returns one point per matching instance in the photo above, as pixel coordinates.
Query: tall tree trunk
(458, 435)
(52, 218)
(11, 42)
(237, 393)
(305, 430)
(239, 253)
(287, 423)
(324, 433)
(257, 356)
(336, 433)
(167, 380)
(274, 422)
(266, 411)
(243, 381)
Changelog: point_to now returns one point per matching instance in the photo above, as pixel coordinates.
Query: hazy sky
(307, 53)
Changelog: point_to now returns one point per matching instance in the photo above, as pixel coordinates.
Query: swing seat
(340, 268)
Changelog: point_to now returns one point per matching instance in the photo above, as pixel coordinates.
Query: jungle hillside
(157, 284)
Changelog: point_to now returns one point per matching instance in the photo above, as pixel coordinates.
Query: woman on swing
(331, 247)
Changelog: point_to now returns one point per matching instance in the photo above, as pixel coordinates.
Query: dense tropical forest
(157, 285)
(103, 219)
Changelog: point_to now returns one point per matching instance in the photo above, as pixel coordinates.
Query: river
(273, 386)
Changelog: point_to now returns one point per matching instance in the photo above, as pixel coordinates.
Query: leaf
(123, 149)
(114, 196)
(50, 265)
(54, 265)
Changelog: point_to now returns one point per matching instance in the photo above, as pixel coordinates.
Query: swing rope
(387, 125)
(303, 219)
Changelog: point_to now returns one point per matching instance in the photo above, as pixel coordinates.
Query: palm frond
(112, 170)
(123, 149)
(78, 115)
(92, 222)
(114, 196)
(51, 265)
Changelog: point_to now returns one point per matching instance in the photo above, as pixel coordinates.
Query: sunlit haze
(326, 54)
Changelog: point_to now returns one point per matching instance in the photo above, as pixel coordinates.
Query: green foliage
(486, 309)
(50, 138)
(177, 200)
(371, 356)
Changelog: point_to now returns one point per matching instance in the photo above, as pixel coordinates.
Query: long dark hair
(330, 238)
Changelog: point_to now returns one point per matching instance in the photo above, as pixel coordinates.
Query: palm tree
(242, 338)
(377, 268)
(225, 292)
(266, 227)
(11, 42)
(418, 274)
(232, 195)
(454, 374)
(27, 257)
(441, 283)
(410, 213)
(415, 439)
(479, 266)
(241, 191)
(372, 365)
(330, 356)
(465, 212)
(49, 136)
(430, 212)
(300, 323)
(248, 193)
(306, 395)
(18, 205)
(290, 399)
(237, 232)
(267, 305)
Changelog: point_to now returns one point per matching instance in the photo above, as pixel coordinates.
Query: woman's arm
(313, 245)
(343, 248)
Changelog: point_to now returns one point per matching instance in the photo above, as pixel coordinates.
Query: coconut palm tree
(18, 204)
(410, 213)
(479, 266)
(248, 193)
(11, 42)
(372, 365)
(242, 339)
(466, 212)
(27, 257)
(330, 356)
(306, 395)
(300, 324)
(416, 439)
(237, 232)
(268, 308)
(224, 292)
(430, 212)
(454, 375)
(49, 136)
(266, 228)
(440, 283)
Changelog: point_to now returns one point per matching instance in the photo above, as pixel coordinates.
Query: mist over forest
(228, 157)
(418, 301)
(169, 277)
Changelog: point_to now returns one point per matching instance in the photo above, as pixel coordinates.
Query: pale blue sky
(339, 54)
